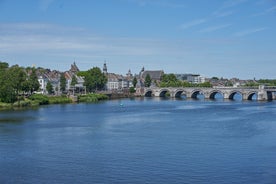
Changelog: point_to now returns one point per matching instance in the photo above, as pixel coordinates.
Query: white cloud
(267, 11)
(52, 39)
(45, 4)
(249, 31)
(214, 28)
(272, 9)
(160, 3)
(226, 8)
(36, 28)
(232, 3)
(193, 23)
(223, 13)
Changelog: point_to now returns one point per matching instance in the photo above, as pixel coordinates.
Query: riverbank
(37, 100)
(113, 96)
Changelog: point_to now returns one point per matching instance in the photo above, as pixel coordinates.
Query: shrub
(22, 103)
(59, 100)
(41, 99)
(132, 90)
(92, 97)
(5, 105)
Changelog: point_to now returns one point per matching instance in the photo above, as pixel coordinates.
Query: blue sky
(223, 38)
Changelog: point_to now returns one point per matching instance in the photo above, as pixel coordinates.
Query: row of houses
(46, 75)
(115, 82)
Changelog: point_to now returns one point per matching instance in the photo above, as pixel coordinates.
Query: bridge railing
(270, 87)
(240, 87)
(214, 87)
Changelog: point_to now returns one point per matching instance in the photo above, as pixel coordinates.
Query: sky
(222, 38)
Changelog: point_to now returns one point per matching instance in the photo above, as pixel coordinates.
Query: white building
(116, 82)
(43, 83)
(192, 78)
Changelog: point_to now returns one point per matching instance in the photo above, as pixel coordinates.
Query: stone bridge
(247, 93)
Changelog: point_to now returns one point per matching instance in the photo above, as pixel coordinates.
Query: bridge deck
(247, 93)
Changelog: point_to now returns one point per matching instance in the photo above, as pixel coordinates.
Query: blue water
(147, 140)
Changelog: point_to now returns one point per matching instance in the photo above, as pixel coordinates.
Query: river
(147, 140)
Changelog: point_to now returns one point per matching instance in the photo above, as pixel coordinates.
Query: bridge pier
(262, 94)
(274, 96)
(226, 96)
(244, 96)
(188, 95)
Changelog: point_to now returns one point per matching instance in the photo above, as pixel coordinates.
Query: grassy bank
(36, 100)
(92, 97)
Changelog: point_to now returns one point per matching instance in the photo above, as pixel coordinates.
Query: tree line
(17, 82)
(170, 80)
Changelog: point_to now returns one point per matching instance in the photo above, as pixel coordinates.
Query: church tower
(105, 68)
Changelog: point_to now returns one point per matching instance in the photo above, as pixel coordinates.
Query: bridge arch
(233, 93)
(148, 93)
(196, 92)
(270, 95)
(162, 92)
(250, 95)
(213, 94)
(178, 93)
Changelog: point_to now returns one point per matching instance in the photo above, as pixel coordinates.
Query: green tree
(134, 81)
(74, 81)
(94, 79)
(7, 94)
(62, 82)
(228, 83)
(186, 84)
(170, 80)
(205, 84)
(132, 90)
(26, 86)
(3, 66)
(49, 88)
(17, 77)
(82, 73)
(147, 81)
(33, 80)
(31, 83)
(268, 82)
(11, 82)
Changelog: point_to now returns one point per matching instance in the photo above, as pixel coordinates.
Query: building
(43, 83)
(192, 78)
(155, 76)
(117, 82)
(69, 75)
(46, 75)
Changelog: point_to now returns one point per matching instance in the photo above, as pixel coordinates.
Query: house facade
(116, 82)
(192, 78)
(46, 75)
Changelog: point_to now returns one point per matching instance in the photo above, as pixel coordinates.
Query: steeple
(74, 68)
(129, 74)
(141, 72)
(104, 68)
